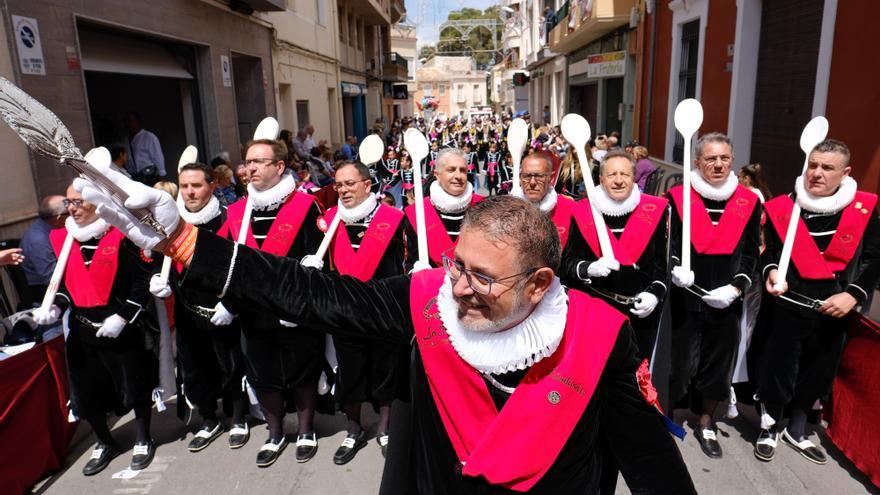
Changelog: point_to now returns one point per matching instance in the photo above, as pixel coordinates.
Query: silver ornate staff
(44, 133)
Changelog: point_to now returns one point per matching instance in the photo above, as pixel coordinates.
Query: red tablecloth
(34, 432)
(855, 407)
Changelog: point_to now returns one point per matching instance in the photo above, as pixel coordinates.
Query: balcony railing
(394, 67)
(606, 15)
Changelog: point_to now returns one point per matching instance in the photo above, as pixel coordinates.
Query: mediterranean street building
(456, 83)
(403, 44)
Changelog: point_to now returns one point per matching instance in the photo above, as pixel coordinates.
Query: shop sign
(611, 64)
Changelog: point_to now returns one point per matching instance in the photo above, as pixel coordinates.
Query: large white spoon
(370, 152)
(814, 133)
(576, 130)
(688, 118)
(189, 155)
(517, 140)
(417, 146)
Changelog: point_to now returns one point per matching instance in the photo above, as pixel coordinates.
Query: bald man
(39, 257)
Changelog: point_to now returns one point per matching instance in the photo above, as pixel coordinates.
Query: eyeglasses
(258, 161)
(75, 202)
(348, 184)
(479, 283)
(534, 177)
(725, 159)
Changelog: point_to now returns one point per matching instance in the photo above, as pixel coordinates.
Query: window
(302, 114)
(478, 98)
(427, 89)
(687, 75)
(410, 68)
(442, 89)
(321, 9)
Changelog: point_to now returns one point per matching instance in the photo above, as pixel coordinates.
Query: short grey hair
(446, 153)
(712, 137)
(617, 154)
(833, 146)
(519, 223)
(548, 162)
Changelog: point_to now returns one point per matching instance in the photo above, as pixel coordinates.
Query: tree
(427, 52)
(478, 43)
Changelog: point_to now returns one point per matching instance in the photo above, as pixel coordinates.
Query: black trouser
(369, 370)
(704, 346)
(800, 357)
(211, 361)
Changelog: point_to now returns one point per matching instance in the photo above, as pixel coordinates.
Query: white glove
(721, 297)
(419, 265)
(112, 327)
(312, 261)
(602, 267)
(222, 316)
(288, 324)
(158, 287)
(644, 304)
(682, 278)
(47, 317)
(160, 203)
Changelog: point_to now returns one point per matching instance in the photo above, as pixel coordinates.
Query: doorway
(247, 76)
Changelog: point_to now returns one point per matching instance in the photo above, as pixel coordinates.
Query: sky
(428, 15)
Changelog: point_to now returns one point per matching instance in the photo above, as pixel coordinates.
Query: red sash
(363, 263)
(283, 231)
(438, 240)
(640, 226)
(90, 286)
(724, 237)
(810, 262)
(561, 217)
(543, 411)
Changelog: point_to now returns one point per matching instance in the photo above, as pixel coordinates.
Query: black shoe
(101, 457)
(382, 440)
(271, 451)
(765, 445)
(806, 448)
(352, 443)
(204, 437)
(306, 446)
(239, 435)
(707, 436)
(142, 455)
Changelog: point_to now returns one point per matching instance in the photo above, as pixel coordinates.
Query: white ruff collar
(358, 212)
(516, 348)
(83, 233)
(203, 216)
(826, 204)
(547, 203)
(274, 196)
(709, 191)
(448, 203)
(611, 207)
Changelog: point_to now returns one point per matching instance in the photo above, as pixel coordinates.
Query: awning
(103, 52)
(351, 89)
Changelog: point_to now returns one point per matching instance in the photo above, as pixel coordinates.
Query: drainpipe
(650, 98)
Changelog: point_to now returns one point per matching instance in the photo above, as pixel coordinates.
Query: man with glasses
(518, 385)
(369, 245)
(637, 223)
(110, 366)
(449, 198)
(706, 303)
(210, 360)
(536, 181)
(835, 264)
(280, 362)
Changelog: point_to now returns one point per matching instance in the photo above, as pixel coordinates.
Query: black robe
(421, 459)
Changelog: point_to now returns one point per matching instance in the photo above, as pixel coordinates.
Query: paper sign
(226, 70)
(30, 50)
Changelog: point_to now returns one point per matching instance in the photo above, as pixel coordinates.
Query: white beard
(201, 217)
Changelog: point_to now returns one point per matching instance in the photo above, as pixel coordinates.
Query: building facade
(175, 62)
(456, 83)
(403, 44)
(761, 70)
(306, 66)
